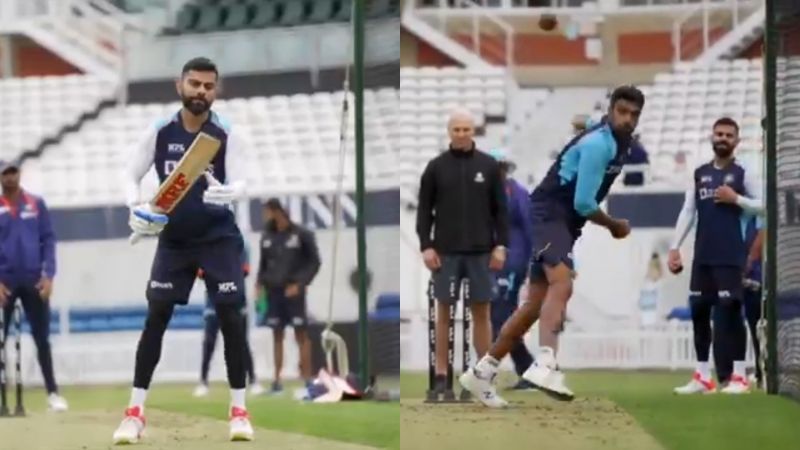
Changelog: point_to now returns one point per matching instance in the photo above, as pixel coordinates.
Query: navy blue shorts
(175, 270)
(457, 268)
(721, 282)
(283, 311)
(552, 245)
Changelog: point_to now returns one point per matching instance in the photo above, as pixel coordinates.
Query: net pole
(771, 158)
(361, 238)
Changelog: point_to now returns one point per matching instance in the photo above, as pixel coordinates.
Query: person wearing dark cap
(27, 268)
(288, 264)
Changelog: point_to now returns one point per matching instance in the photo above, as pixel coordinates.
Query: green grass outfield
(371, 424)
(613, 410)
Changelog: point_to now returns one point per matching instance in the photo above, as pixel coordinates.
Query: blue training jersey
(192, 221)
(580, 178)
(721, 236)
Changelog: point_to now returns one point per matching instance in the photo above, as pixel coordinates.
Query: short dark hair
(726, 121)
(274, 204)
(629, 93)
(199, 64)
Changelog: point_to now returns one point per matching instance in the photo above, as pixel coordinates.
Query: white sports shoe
(257, 389)
(737, 385)
(697, 385)
(240, 427)
(545, 375)
(57, 403)
(482, 389)
(131, 428)
(201, 390)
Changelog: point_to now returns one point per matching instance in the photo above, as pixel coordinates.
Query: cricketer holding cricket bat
(199, 233)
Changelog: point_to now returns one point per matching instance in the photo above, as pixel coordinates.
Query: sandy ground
(166, 431)
(537, 422)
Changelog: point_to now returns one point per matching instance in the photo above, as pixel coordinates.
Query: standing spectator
(722, 195)
(289, 263)
(463, 233)
(512, 277)
(27, 268)
(637, 159)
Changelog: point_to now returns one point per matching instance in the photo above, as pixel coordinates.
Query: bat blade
(189, 169)
(191, 166)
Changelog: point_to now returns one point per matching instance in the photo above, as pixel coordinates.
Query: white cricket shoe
(240, 427)
(57, 403)
(131, 428)
(737, 385)
(201, 390)
(257, 389)
(697, 385)
(545, 375)
(482, 389)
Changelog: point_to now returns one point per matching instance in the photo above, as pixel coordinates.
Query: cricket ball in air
(548, 22)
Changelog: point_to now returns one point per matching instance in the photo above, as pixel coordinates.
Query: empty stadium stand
(201, 16)
(682, 106)
(295, 147)
(429, 94)
(37, 108)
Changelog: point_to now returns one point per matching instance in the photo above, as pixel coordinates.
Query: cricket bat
(191, 166)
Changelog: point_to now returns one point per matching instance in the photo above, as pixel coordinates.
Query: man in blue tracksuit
(27, 268)
(511, 278)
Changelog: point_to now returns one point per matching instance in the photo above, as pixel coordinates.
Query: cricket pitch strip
(537, 422)
(166, 431)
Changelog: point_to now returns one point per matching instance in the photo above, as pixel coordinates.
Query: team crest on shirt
(293, 241)
(266, 243)
(479, 177)
(175, 148)
(729, 178)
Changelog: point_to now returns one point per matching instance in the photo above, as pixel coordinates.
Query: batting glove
(220, 194)
(146, 222)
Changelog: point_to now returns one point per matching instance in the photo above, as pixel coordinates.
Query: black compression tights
(159, 314)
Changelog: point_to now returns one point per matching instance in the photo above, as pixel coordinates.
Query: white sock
(740, 368)
(237, 398)
(138, 396)
(702, 368)
(486, 367)
(546, 357)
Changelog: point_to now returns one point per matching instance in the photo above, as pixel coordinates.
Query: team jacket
(27, 241)
(520, 227)
(289, 256)
(462, 204)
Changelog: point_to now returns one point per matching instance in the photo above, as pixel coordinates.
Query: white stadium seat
(294, 144)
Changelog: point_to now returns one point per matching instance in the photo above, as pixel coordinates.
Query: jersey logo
(175, 148)
(705, 193)
(705, 179)
(729, 178)
(266, 244)
(479, 177)
(293, 241)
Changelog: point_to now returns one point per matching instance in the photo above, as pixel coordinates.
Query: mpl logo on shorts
(226, 287)
(160, 285)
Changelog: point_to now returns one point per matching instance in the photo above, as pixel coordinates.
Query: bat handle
(134, 238)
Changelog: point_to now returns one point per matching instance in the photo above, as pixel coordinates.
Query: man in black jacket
(289, 262)
(462, 226)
